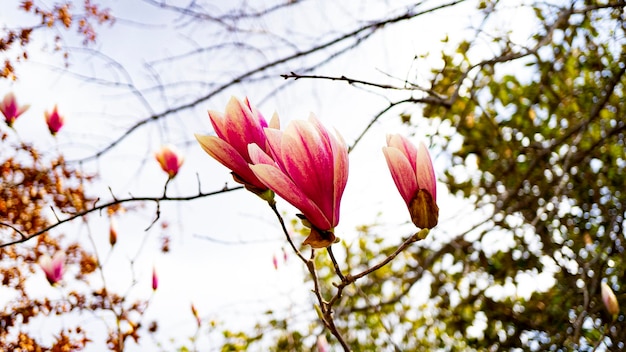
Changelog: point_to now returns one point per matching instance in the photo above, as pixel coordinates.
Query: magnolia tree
(519, 116)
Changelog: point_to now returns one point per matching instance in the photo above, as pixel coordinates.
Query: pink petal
(275, 122)
(405, 146)
(169, 158)
(308, 160)
(229, 157)
(402, 172)
(275, 179)
(22, 109)
(274, 140)
(239, 126)
(258, 156)
(425, 173)
(257, 114)
(340, 153)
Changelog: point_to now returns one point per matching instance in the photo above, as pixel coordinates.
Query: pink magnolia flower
(170, 158)
(412, 171)
(54, 120)
(155, 279)
(10, 109)
(240, 125)
(608, 298)
(308, 167)
(322, 344)
(53, 267)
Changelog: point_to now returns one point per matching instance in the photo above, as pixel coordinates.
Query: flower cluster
(307, 165)
(12, 110)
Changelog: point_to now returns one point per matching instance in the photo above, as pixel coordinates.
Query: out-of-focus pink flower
(53, 267)
(285, 256)
(240, 125)
(308, 167)
(10, 108)
(322, 344)
(54, 120)
(170, 159)
(609, 299)
(155, 279)
(412, 171)
(275, 262)
(113, 232)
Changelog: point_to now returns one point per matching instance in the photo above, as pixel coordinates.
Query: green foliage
(549, 144)
(544, 125)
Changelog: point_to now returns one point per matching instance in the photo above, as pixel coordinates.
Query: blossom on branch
(412, 171)
(242, 124)
(170, 159)
(54, 120)
(308, 167)
(322, 344)
(609, 299)
(11, 109)
(53, 267)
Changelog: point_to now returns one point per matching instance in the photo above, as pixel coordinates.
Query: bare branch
(356, 35)
(25, 237)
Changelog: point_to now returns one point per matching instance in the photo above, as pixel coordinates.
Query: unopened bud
(113, 232)
(170, 159)
(155, 279)
(609, 299)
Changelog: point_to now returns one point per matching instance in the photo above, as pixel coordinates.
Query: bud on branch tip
(170, 159)
(413, 173)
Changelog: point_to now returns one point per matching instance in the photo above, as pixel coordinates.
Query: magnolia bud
(113, 232)
(609, 299)
(155, 280)
(170, 159)
(54, 120)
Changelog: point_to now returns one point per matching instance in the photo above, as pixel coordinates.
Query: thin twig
(335, 265)
(25, 237)
(286, 232)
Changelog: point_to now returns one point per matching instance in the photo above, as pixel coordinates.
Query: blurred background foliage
(544, 128)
